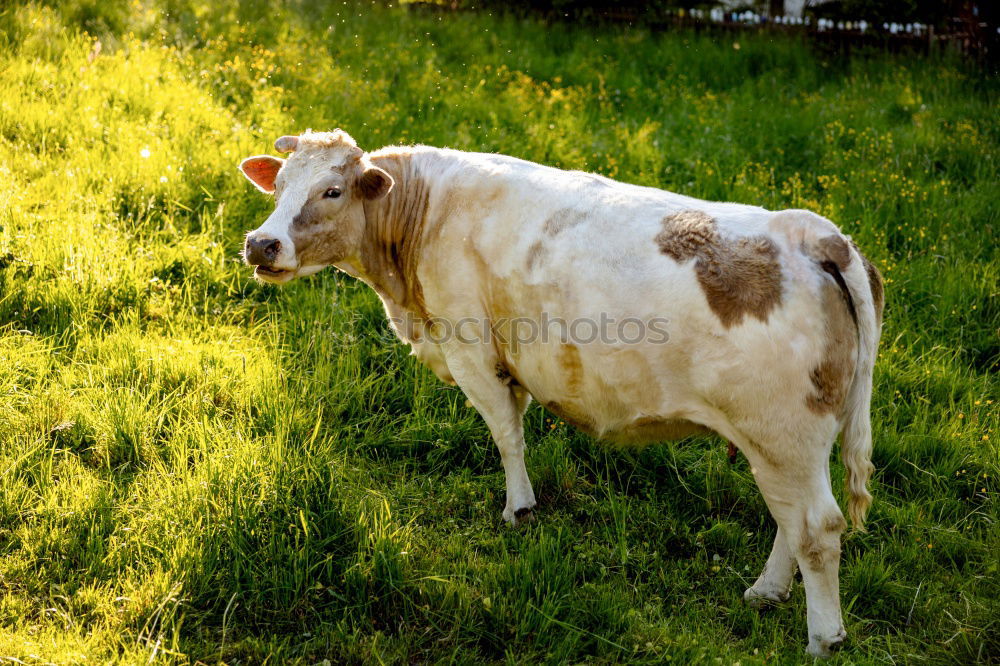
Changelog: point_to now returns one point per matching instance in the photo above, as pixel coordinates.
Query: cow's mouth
(267, 272)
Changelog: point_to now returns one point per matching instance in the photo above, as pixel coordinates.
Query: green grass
(194, 466)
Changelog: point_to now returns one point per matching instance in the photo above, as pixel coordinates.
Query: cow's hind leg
(796, 487)
(775, 580)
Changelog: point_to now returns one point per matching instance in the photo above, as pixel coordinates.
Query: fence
(966, 34)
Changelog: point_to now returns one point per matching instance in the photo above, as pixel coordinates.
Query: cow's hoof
(764, 598)
(522, 515)
(823, 648)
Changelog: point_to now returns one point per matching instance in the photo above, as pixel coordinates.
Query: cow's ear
(261, 171)
(375, 183)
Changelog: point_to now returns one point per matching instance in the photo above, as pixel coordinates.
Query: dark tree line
(938, 13)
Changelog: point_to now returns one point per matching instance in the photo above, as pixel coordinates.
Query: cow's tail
(862, 286)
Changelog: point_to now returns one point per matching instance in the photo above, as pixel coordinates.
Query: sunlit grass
(195, 466)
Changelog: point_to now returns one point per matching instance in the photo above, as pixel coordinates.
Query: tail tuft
(857, 459)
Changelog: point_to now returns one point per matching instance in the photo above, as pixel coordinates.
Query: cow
(759, 326)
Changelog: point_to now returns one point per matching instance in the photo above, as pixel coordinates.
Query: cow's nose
(261, 250)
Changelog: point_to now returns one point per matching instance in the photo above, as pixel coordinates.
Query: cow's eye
(332, 193)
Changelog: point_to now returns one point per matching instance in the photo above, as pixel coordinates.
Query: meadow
(197, 467)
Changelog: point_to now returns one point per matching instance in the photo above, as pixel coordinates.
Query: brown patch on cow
(318, 243)
(563, 219)
(832, 377)
(570, 411)
(835, 248)
(878, 293)
(739, 277)
(321, 246)
(686, 234)
(502, 315)
(572, 416)
(874, 283)
(742, 279)
(835, 523)
(812, 549)
(649, 429)
(822, 547)
(534, 255)
(394, 232)
(568, 357)
(311, 213)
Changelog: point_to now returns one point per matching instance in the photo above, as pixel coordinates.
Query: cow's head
(319, 192)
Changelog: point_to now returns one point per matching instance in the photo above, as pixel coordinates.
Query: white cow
(633, 313)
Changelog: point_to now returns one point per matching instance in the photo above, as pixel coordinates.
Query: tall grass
(197, 467)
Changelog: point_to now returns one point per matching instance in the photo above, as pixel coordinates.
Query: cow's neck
(394, 232)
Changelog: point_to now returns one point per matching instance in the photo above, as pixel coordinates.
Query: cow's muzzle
(261, 250)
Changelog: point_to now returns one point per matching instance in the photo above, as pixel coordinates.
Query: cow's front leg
(475, 370)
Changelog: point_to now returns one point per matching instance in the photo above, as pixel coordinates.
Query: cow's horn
(286, 144)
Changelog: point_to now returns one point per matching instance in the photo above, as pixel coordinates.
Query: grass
(196, 467)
